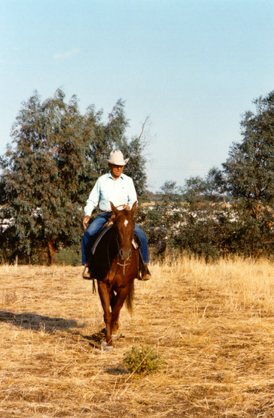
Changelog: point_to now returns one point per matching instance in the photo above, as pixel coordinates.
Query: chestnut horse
(115, 266)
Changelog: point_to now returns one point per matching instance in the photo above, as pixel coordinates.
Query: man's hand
(85, 222)
(126, 207)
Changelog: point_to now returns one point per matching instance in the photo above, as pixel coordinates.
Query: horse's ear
(134, 207)
(114, 209)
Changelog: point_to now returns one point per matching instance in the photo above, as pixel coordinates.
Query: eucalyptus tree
(249, 177)
(55, 157)
(42, 175)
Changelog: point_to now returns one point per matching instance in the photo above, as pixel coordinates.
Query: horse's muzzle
(124, 253)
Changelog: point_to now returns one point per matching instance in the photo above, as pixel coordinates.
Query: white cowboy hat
(116, 158)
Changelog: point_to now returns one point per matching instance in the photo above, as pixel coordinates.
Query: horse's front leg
(116, 308)
(105, 301)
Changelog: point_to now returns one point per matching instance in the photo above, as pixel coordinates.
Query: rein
(95, 214)
(106, 211)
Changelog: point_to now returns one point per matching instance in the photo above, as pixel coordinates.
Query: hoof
(108, 348)
(114, 336)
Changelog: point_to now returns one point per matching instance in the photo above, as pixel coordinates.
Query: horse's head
(124, 229)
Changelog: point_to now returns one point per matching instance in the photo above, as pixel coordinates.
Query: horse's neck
(112, 242)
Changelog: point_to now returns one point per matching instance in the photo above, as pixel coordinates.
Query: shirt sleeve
(93, 199)
(132, 195)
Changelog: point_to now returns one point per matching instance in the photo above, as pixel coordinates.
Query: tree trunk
(51, 251)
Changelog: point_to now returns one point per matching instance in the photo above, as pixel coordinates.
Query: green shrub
(67, 257)
(143, 359)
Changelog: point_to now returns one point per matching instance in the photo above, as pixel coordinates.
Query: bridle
(124, 264)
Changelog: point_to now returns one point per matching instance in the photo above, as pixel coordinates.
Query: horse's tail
(129, 299)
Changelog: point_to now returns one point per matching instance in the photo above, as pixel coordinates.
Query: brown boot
(145, 274)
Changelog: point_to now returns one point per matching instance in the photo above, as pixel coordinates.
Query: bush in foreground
(143, 359)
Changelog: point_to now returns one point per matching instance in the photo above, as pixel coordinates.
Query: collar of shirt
(110, 176)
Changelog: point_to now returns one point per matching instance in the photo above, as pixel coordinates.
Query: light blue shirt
(106, 190)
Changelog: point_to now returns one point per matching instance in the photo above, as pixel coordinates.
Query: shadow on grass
(117, 371)
(38, 322)
(34, 322)
(96, 339)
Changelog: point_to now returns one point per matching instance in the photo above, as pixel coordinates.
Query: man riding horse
(118, 188)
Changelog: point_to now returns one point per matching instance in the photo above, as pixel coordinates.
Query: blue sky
(193, 66)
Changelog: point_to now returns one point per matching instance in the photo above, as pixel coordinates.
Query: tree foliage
(56, 157)
(160, 221)
(249, 177)
(249, 169)
(205, 224)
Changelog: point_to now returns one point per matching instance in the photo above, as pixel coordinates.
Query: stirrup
(86, 273)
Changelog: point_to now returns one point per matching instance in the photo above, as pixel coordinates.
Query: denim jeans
(97, 224)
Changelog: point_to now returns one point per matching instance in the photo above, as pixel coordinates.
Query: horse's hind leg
(105, 300)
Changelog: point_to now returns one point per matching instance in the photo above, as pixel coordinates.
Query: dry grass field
(213, 324)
